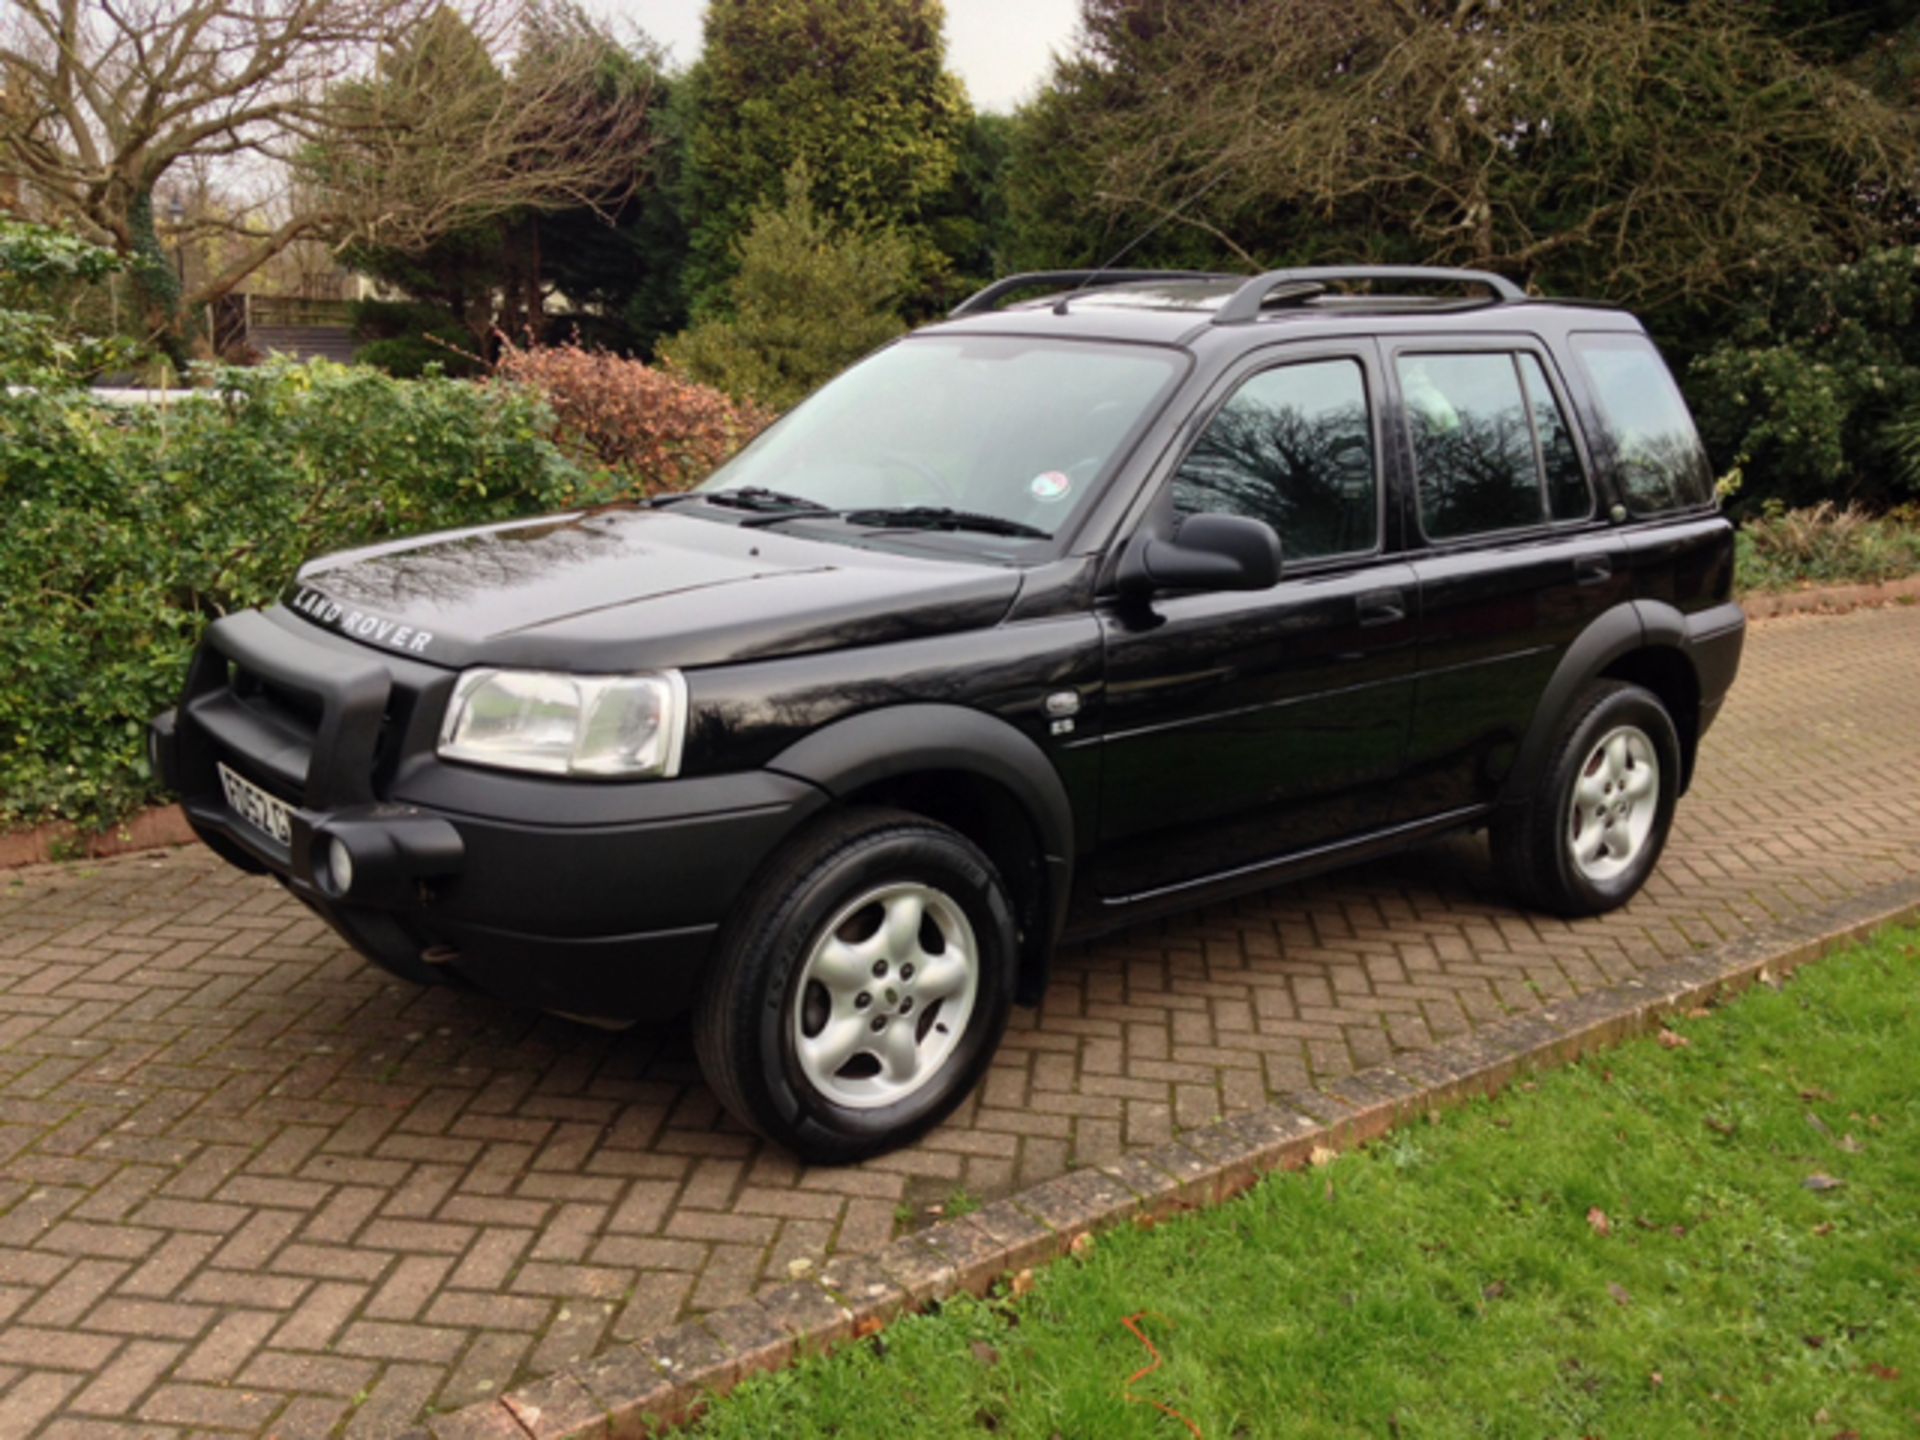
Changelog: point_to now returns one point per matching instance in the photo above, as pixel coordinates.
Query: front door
(1241, 728)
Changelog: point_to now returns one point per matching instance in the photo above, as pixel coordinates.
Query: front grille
(393, 731)
(299, 714)
(319, 721)
(278, 704)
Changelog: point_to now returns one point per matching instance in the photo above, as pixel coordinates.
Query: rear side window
(1472, 444)
(1292, 447)
(1662, 465)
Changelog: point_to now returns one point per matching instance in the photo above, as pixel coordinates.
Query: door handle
(1592, 569)
(1381, 607)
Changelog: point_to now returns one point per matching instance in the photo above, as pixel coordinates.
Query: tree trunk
(155, 284)
(536, 302)
(522, 307)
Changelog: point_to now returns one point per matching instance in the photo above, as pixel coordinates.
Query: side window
(1472, 444)
(1568, 496)
(1662, 465)
(1293, 447)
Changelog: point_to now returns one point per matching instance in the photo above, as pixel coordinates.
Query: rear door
(1514, 558)
(1243, 728)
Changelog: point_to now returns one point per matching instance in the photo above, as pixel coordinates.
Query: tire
(1614, 738)
(798, 980)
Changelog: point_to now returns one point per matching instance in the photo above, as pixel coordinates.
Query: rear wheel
(864, 988)
(1589, 834)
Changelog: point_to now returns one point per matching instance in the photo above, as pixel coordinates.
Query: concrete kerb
(647, 1388)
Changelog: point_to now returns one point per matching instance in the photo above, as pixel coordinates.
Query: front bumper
(599, 899)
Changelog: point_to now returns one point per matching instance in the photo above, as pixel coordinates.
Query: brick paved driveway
(249, 1184)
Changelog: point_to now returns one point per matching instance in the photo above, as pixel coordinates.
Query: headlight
(611, 726)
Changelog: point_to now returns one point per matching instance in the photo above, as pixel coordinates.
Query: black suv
(1041, 619)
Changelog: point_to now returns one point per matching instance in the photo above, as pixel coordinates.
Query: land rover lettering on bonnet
(358, 624)
(1113, 592)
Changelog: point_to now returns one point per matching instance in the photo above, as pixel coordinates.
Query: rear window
(1474, 455)
(1661, 463)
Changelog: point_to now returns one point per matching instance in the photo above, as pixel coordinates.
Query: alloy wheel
(884, 995)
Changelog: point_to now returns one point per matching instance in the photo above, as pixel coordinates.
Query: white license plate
(270, 816)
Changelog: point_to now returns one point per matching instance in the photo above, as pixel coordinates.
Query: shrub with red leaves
(657, 430)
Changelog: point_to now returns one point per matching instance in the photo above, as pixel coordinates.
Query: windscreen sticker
(1050, 487)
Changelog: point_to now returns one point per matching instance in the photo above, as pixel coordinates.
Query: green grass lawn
(1716, 1235)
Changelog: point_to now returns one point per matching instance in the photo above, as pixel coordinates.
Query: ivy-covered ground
(1715, 1231)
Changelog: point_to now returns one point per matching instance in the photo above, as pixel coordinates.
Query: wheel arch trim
(898, 741)
(1630, 626)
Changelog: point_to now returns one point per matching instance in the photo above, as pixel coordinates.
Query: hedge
(656, 429)
(128, 528)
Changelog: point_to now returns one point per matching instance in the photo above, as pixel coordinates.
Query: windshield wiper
(775, 507)
(941, 517)
(759, 497)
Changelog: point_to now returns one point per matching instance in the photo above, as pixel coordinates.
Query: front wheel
(1589, 834)
(864, 988)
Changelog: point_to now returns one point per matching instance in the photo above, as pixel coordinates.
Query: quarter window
(1661, 463)
(1292, 447)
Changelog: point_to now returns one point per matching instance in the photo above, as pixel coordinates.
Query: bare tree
(441, 136)
(1651, 152)
(99, 99)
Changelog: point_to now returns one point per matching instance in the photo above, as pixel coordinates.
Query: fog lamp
(339, 865)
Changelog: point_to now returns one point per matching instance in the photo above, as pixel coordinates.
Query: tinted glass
(1568, 497)
(1662, 465)
(1019, 429)
(1292, 447)
(1472, 446)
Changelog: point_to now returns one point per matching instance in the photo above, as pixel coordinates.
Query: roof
(1181, 308)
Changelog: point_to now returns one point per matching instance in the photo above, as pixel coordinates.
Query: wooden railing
(293, 310)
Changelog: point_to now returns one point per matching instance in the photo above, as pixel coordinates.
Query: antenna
(1174, 213)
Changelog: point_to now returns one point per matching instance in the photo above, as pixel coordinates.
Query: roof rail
(1245, 302)
(987, 299)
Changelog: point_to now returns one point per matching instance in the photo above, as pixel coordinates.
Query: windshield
(1015, 429)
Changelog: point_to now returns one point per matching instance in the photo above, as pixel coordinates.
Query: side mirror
(1205, 552)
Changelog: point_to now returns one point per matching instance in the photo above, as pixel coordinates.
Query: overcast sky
(1001, 48)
